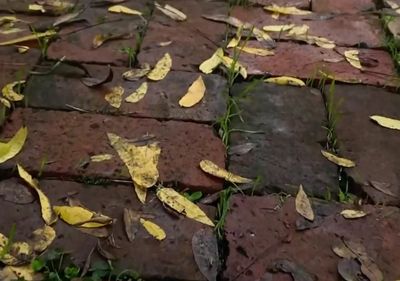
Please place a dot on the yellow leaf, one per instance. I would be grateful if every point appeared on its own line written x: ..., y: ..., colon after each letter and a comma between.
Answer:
x: 82, y: 217
x: 5, y: 102
x: 31, y: 37
x: 386, y: 122
x: 123, y: 10
x: 261, y: 35
x: 286, y: 10
x: 171, y: 12
x: 98, y: 40
x: 23, y: 49
x: 233, y: 43
x: 323, y: 42
x: 194, y: 94
x: 275, y: 16
x: 48, y: 214
x: 136, y: 74
x: 17, y: 253
x: 36, y: 7
x: 10, y: 273
x: 213, y: 169
x: 137, y: 95
x: 353, y: 214
x: 298, y: 30
x: 303, y: 205
x: 235, y: 65
x: 210, y: 64
x: 278, y: 28
x: 141, y: 193
x: 114, y: 98
x: 285, y: 80
x: 101, y: 157
x: 42, y: 238
x: 9, y: 93
x: 141, y: 161
x: 13, y: 147
x: 153, y: 229
x: 338, y: 160
x: 161, y: 68
x: 256, y: 51
x: 11, y: 30
x: 182, y: 205
x: 352, y: 58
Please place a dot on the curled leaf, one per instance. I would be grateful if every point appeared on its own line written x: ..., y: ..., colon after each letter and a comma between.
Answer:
x: 101, y: 157
x: 182, y: 205
x: 94, y: 82
x: 353, y: 214
x: 9, y: 93
x: 25, y: 272
x: 141, y: 193
x: 100, y: 39
x: 11, y: 148
x: 352, y: 57
x: 36, y: 7
x: 286, y: 10
x: 131, y: 221
x: 285, y: 80
x: 82, y: 217
x: 235, y: 65
x: 114, y: 97
x: 213, y: 169
x: 161, y: 68
x: 67, y: 18
x: 171, y: 12
x: 48, y: 214
x: 194, y: 94
x: 136, y: 74
x: 338, y: 160
x: 153, y: 229
x: 22, y: 49
x: 31, y: 37
x: 210, y: 64
x: 386, y: 122
x: 137, y: 95
x: 278, y: 28
x: 303, y: 204
x: 5, y: 102
x: 42, y: 238
x: 123, y: 10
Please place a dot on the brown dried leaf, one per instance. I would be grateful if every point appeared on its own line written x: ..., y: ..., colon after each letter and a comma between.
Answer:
x: 205, y: 252
x: 131, y: 221
x: 94, y: 82
x: 382, y: 187
x: 136, y: 74
x: 303, y: 205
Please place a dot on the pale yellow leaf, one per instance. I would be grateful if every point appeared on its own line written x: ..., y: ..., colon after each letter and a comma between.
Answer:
x: 11, y: 148
x: 338, y: 160
x: 353, y: 214
x: 286, y: 10
x: 11, y: 273
x: 256, y: 51
x: 386, y: 122
x: 141, y: 161
x: 165, y: 43
x: 36, y: 7
x: 5, y: 102
x: 124, y: 10
x: 153, y: 229
x: 194, y: 94
x: 210, y: 64
x: 42, y: 238
x: 7, y: 31
x: 235, y: 65
x: 171, y: 12
x: 114, y: 97
x: 352, y: 58
x: 213, y: 169
x: 298, y: 30
x: 275, y: 15
x: 233, y: 43
x: 23, y: 49
x: 323, y: 42
x: 182, y: 205
x: 9, y: 93
x: 18, y: 252
x: 48, y: 214
x: 141, y: 193
x: 261, y: 35
x: 285, y: 80
x: 278, y: 28
x: 31, y: 37
x: 161, y: 69
x: 303, y: 204
x: 101, y: 157
x: 136, y: 74
x: 82, y: 217
x: 137, y: 95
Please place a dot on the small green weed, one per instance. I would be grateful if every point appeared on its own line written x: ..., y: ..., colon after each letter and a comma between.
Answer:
x: 239, y: 3
x: 131, y: 55
x: 193, y: 196
x: 10, y: 239
x: 222, y: 211
x: 333, y: 117
x: 43, y: 42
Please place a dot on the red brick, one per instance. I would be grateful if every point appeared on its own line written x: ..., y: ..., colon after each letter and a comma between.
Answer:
x: 342, y: 6
x: 170, y: 259
x: 365, y: 30
x: 193, y: 40
x: 261, y: 230
x: 304, y: 61
x: 67, y: 139
x: 63, y: 87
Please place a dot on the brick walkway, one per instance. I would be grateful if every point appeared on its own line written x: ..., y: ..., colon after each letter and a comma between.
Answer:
x: 283, y: 125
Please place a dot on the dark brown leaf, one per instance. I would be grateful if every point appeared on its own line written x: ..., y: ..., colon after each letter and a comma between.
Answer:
x: 94, y: 82
x: 350, y: 270
x: 382, y: 187
x: 205, y: 251
x: 298, y: 272
x: 103, y: 252
x: 241, y: 149
x: 87, y: 262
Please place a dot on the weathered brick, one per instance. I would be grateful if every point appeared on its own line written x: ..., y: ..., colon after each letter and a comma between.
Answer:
x: 342, y: 6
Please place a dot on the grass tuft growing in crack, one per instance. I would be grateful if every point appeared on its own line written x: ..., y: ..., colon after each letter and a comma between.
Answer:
x: 390, y: 42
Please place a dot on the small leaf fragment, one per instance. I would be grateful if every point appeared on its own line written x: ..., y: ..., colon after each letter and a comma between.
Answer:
x: 194, y: 94
x: 124, y: 10
x: 353, y: 214
x: 210, y: 64
x: 285, y: 80
x: 235, y: 65
x: 137, y: 95
x: 48, y: 214
x: 22, y: 49
x: 131, y: 221
x: 42, y: 238
x: 338, y: 160
x: 31, y: 37
x: 9, y: 93
x: 213, y: 169
x: 36, y: 7
x: 141, y: 193
x: 171, y: 12
x: 101, y: 157
x: 286, y: 10
x: 13, y: 147
x: 352, y: 57
x: 136, y: 74
x: 5, y: 102
x: 161, y: 68
x: 386, y: 122
x: 278, y: 28
x: 303, y: 204
x: 114, y: 97
x: 153, y: 229
x: 182, y: 205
